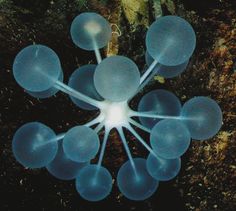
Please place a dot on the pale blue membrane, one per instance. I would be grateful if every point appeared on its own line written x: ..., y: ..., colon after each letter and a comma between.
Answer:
x: 94, y: 183
x: 81, y: 144
x: 82, y: 81
x: 171, y: 40
x: 117, y: 78
x: 203, y: 117
x: 170, y: 138
x: 136, y: 185
x: 166, y: 71
x: 90, y: 31
x: 36, y: 68
x: 62, y: 167
x: 48, y: 93
x: 34, y: 145
x: 158, y: 102
x: 163, y: 169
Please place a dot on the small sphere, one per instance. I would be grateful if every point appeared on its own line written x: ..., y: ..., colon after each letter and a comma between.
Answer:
x: 90, y: 31
x: 171, y: 40
x: 82, y: 81
x: 36, y: 68
x: 81, y: 144
x: 159, y: 102
x: 117, y: 78
x: 203, y: 117
x: 34, y: 145
x: 163, y: 169
x: 94, y: 183
x: 166, y: 71
x: 62, y: 167
x: 49, y: 92
x: 170, y: 138
x: 139, y: 186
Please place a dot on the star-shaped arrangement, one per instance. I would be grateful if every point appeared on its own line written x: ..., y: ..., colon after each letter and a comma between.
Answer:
x: 109, y: 86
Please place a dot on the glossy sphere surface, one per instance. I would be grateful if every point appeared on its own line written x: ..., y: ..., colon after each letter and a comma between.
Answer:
x: 159, y: 102
x: 82, y: 81
x: 94, y: 183
x: 36, y: 68
x: 81, y: 144
x: 117, y: 78
x: 171, y: 40
x: 166, y: 71
x: 90, y: 30
x: 163, y: 169
x: 170, y: 138
x: 62, y: 167
x: 203, y: 117
x: 34, y: 145
x: 139, y: 186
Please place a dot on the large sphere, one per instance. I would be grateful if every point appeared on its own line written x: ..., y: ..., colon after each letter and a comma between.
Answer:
x: 171, y: 40
x: 166, y: 71
x: 81, y: 144
x: 139, y: 186
x: 62, y: 167
x: 159, y: 102
x: 94, y: 183
x: 82, y: 81
x: 163, y: 169
x: 36, y: 68
x: 117, y: 78
x: 34, y: 145
x: 170, y: 138
x: 202, y: 116
x: 90, y: 31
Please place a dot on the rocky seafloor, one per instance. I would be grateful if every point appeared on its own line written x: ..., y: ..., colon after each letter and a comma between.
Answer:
x: 207, y: 180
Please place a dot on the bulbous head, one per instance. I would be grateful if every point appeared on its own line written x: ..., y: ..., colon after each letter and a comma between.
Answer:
x: 117, y: 78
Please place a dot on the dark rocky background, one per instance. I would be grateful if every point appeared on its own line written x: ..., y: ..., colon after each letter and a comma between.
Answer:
x: 208, y: 177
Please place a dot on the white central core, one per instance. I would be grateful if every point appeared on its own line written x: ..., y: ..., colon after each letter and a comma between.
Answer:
x: 93, y: 28
x: 115, y: 114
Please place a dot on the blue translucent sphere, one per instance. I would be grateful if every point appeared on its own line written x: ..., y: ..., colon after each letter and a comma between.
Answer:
x: 139, y: 186
x: 81, y: 144
x: 36, y: 68
x: 159, y: 102
x: 166, y: 71
x: 117, y: 78
x: 202, y: 116
x: 171, y: 40
x: 62, y: 167
x: 90, y: 31
x: 163, y: 169
x: 94, y: 183
x: 82, y: 81
x: 170, y: 138
x: 49, y: 92
x: 34, y: 145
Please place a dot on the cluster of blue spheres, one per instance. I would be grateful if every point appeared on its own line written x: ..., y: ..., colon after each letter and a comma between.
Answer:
x: 109, y: 86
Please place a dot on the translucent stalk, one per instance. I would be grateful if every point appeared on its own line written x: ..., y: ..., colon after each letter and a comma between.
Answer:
x: 141, y: 140
x: 133, y: 122
x: 123, y: 139
x: 155, y: 116
x: 93, y: 122
x: 56, y: 139
x: 68, y: 90
x: 103, y: 147
x: 99, y: 127
x: 145, y: 82
x: 148, y: 71
x: 96, y: 51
